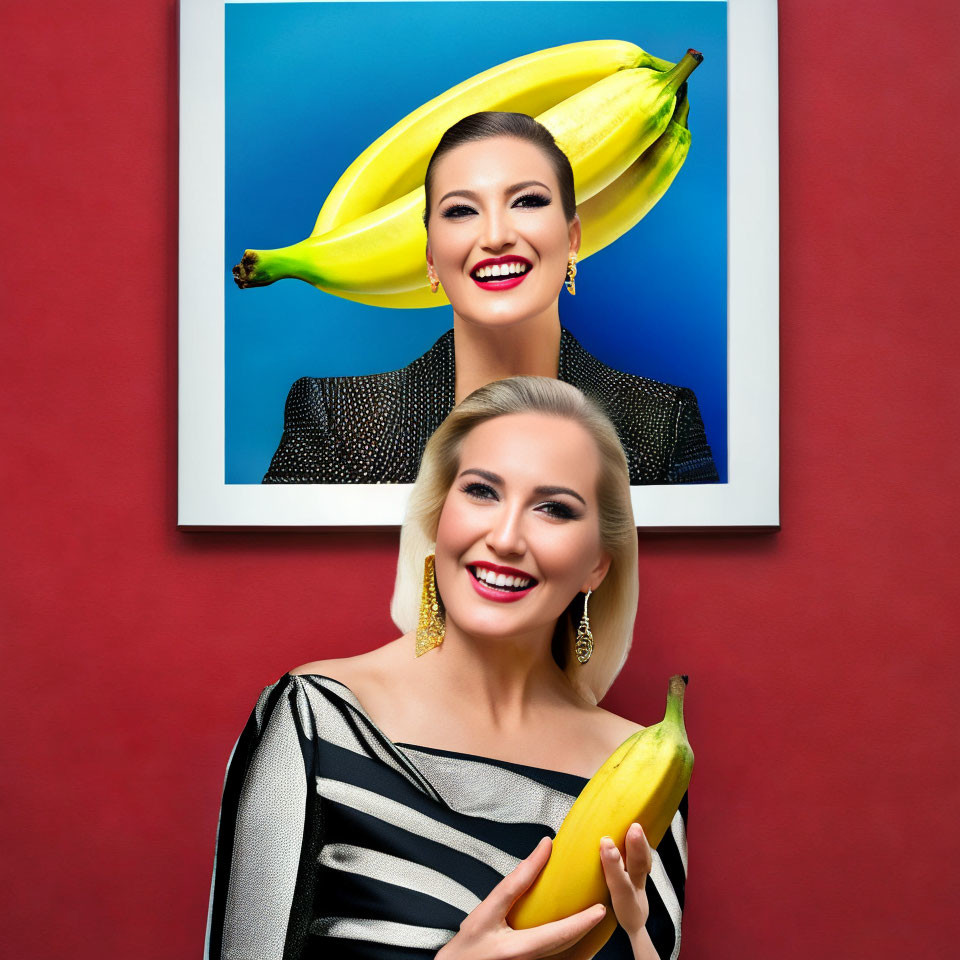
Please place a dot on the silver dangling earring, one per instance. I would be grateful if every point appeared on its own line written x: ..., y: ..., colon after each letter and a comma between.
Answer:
x: 584, y: 646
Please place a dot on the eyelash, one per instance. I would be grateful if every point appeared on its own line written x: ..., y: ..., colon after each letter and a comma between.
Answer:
x: 561, y: 511
x: 542, y: 201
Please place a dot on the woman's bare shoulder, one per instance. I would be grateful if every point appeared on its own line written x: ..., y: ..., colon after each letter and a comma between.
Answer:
x: 591, y: 735
x: 324, y: 668
x: 363, y: 666
x: 617, y: 728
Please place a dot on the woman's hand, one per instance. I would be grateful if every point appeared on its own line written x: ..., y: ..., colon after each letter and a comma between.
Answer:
x: 627, y: 879
x: 486, y: 935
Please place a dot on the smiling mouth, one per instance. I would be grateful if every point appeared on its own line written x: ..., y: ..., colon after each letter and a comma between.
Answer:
x: 498, y: 272
x: 500, y: 581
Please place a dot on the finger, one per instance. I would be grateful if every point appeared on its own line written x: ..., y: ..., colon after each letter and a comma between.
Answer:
x: 639, y: 855
x: 619, y: 882
x: 629, y: 900
x: 546, y: 939
x: 503, y: 896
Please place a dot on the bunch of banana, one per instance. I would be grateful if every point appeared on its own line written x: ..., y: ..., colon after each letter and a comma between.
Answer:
x: 396, y: 162
x: 606, y: 216
x: 378, y: 256
x: 644, y: 779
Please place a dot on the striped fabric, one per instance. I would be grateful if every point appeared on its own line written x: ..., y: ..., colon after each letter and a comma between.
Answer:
x: 336, y: 843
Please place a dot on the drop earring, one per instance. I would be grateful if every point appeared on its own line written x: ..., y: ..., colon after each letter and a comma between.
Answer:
x: 571, y: 273
x: 434, y: 280
x: 431, y: 626
x: 584, y: 646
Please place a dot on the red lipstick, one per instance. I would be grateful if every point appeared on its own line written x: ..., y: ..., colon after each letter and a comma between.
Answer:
x: 501, y: 283
x: 499, y: 594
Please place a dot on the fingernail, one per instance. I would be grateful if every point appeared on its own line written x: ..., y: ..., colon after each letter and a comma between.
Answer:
x: 536, y: 848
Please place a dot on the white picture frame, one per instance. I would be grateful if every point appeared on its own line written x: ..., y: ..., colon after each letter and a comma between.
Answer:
x: 749, y: 497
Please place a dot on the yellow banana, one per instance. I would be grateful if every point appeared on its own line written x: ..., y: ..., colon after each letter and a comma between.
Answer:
x: 605, y: 217
x: 613, y: 211
x: 605, y: 128
x: 602, y: 129
x: 396, y: 162
x: 644, y: 779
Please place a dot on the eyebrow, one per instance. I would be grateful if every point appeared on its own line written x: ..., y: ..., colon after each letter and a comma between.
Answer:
x: 543, y: 491
x: 506, y: 193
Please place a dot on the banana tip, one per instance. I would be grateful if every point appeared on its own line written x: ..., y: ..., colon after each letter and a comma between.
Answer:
x: 685, y: 678
x: 696, y: 54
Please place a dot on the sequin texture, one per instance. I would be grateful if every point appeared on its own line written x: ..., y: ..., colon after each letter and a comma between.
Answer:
x: 373, y: 428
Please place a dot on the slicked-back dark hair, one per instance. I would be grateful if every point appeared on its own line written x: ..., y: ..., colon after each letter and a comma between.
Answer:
x: 501, y: 123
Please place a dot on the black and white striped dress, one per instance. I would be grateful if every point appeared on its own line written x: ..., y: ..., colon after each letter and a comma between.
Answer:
x: 335, y: 843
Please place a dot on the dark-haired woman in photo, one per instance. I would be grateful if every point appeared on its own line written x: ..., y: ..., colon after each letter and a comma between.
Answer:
x: 502, y: 237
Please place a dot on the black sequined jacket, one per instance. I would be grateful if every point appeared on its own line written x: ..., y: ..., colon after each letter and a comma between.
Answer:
x: 373, y: 428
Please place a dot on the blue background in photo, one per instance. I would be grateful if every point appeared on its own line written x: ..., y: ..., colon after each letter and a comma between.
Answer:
x: 310, y: 85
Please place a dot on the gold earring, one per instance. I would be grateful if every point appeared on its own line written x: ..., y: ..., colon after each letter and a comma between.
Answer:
x: 571, y: 273
x: 430, y: 628
x: 434, y: 280
x: 584, y: 645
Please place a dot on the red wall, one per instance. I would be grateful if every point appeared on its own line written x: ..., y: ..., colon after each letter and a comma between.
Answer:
x: 822, y: 658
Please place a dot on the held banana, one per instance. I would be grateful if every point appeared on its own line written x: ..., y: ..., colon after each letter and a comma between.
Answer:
x: 602, y: 129
x: 644, y: 779
x: 396, y: 162
x: 605, y: 217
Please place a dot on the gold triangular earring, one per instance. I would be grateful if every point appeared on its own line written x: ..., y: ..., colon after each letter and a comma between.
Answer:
x: 571, y: 273
x: 431, y: 626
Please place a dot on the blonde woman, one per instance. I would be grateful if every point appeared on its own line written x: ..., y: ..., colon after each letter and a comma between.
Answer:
x: 502, y: 235
x: 396, y: 803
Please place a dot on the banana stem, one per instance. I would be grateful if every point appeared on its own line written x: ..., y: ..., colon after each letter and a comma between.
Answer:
x: 675, y: 692
x: 257, y: 268
x: 691, y: 60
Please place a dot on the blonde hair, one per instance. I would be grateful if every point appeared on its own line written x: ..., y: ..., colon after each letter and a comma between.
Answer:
x: 613, y: 605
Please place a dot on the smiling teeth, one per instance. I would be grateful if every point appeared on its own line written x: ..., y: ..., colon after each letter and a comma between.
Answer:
x: 492, y: 579
x: 501, y: 270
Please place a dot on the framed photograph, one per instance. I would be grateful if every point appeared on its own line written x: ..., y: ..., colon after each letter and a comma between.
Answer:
x: 316, y: 355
